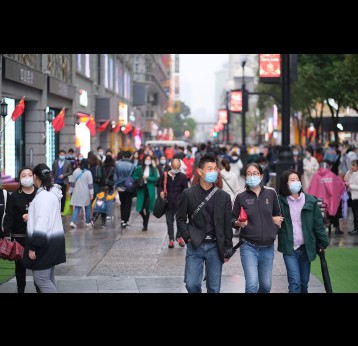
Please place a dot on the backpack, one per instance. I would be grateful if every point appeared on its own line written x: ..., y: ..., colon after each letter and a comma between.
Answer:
x: 100, y: 205
x: 129, y: 183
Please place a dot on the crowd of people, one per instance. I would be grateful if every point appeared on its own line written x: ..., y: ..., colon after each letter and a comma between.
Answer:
x: 205, y: 189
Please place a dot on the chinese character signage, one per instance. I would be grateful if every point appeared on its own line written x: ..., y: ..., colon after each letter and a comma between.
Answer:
x: 236, y: 101
x: 270, y: 68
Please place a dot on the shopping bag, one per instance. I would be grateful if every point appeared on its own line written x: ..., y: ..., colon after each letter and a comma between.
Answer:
x: 11, y: 250
x: 67, y: 210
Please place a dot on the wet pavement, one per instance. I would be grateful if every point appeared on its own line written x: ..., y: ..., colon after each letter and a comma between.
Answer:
x: 116, y: 260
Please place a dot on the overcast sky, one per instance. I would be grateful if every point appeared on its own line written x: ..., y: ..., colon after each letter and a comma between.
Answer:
x: 197, y: 83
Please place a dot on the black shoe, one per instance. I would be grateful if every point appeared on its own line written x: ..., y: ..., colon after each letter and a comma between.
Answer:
x: 354, y: 232
x: 123, y: 225
x: 144, y: 229
x: 338, y: 231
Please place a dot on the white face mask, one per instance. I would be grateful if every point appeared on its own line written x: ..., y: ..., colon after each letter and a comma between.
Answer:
x: 27, y: 182
x: 147, y: 163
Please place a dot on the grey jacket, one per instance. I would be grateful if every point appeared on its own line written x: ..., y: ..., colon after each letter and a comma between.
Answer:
x: 195, y: 230
x: 67, y: 170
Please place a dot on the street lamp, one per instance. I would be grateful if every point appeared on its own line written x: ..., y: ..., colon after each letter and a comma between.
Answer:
x: 243, y: 60
x: 3, y: 108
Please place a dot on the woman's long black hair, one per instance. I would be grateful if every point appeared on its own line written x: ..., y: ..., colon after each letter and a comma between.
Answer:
x: 43, y: 172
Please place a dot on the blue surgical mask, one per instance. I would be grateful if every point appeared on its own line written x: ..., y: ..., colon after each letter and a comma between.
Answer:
x: 188, y: 156
x: 210, y: 177
x: 61, y: 157
x: 295, y: 153
x: 295, y: 186
x: 175, y: 171
x: 253, y: 181
x: 163, y: 162
x: 80, y: 158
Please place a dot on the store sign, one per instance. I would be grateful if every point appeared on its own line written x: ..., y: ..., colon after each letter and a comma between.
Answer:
x: 270, y: 68
x: 60, y: 88
x: 123, y: 113
x: 236, y: 101
x: 22, y: 74
x: 83, y: 98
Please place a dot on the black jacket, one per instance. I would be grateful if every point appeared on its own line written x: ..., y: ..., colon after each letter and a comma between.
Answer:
x: 190, y: 200
x: 261, y: 229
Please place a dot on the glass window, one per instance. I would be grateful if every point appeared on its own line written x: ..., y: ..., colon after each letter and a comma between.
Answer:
x: 106, y: 82
x: 87, y: 66
x: 120, y: 79
x: 79, y: 62
x: 116, y: 81
x: 110, y: 71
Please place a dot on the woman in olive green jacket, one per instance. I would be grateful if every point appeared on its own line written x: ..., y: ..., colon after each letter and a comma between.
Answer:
x: 302, y: 231
x: 146, y: 193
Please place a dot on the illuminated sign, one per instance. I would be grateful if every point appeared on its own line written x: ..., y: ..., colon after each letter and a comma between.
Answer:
x: 270, y: 68
x: 223, y: 116
x: 236, y: 101
x: 123, y: 113
x: 83, y: 98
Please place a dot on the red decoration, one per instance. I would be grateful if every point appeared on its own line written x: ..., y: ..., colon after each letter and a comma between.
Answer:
x: 103, y: 126
x: 243, y: 215
x: 91, y: 124
x: 19, y: 109
x: 59, y: 122
x: 116, y: 128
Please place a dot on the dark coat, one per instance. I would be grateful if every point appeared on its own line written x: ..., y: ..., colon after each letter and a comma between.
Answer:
x: 67, y: 170
x: 195, y: 231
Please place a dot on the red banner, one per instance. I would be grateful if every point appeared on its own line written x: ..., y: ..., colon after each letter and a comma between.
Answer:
x: 103, y: 126
x: 91, y: 124
x: 116, y: 128
x: 223, y: 116
x: 19, y: 109
x: 270, y: 66
x: 59, y: 122
x: 236, y: 101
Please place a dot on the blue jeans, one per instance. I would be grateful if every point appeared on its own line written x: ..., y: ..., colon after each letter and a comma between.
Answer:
x: 76, y: 211
x: 298, y: 269
x: 257, y: 263
x: 194, y: 265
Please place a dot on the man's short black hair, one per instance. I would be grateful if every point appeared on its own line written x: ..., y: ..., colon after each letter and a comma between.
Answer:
x: 205, y: 159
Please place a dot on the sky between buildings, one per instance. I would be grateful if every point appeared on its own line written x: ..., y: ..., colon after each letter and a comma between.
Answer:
x: 197, y: 83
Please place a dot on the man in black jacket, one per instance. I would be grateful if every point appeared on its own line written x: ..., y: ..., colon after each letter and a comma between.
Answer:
x: 209, y: 233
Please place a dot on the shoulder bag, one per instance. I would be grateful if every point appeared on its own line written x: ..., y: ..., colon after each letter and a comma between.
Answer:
x: 160, y: 205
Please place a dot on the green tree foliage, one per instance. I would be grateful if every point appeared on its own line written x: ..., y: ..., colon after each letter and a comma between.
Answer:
x: 320, y: 77
x: 179, y: 122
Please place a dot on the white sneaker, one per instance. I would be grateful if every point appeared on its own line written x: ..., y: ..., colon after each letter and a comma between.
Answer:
x: 89, y: 224
x: 73, y: 225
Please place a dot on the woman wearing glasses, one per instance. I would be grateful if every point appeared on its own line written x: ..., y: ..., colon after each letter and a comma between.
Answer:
x: 259, y: 231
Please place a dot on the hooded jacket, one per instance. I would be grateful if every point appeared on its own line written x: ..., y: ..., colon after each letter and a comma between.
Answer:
x: 326, y: 185
x: 45, y: 233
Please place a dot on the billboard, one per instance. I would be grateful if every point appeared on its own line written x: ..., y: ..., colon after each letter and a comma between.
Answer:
x: 270, y: 68
x: 236, y: 101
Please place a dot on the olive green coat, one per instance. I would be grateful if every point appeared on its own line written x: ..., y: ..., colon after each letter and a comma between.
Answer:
x: 151, y: 181
x: 314, y: 231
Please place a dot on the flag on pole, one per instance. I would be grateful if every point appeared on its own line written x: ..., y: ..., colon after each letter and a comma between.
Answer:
x: 116, y: 128
x: 103, y: 126
x: 19, y: 109
x: 59, y: 122
x: 91, y: 124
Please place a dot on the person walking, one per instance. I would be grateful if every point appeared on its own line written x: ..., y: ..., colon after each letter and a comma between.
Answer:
x: 123, y: 169
x: 15, y: 220
x: 176, y: 183
x: 61, y: 170
x: 310, y: 167
x: 352, y: 185
x: 208, y: 234
x: 45, y: 242
x: 148, y: 175
x: 259, y: 231
x: 230, y: 181
x: 302, y: 232
x: 81, y: 189
x: 101, y: 203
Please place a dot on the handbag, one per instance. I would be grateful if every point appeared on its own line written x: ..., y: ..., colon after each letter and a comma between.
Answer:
x: 11, y: 250
x: 160, y: 205
x: 68, y: 209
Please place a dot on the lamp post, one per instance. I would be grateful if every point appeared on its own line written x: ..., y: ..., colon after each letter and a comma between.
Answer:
x: 228, y: 116
x: 3, y: 114
x: 243, y: 151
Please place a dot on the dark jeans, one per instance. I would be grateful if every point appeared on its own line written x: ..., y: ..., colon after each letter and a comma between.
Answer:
x: 170, y: 214
x: 20, y: 270
x: 355, y: 213
x: 126, y: 204
x: 335, y: 219
x: 63, y: 199
x: 145, y: 210
x: 298, y: 269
